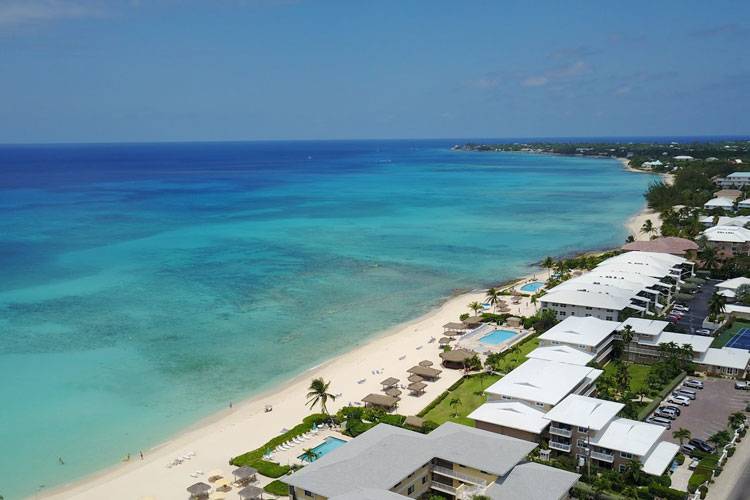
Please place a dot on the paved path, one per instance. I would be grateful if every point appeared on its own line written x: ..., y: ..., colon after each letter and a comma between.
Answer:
x: 681, y: 476
x: 734, y: 481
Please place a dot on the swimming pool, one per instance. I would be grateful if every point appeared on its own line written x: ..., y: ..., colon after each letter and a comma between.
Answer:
x: 327, y: 446
x: 497, y: 337
x: 532, y: 287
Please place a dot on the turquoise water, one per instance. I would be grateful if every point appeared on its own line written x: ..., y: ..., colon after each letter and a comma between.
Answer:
x: 145, y: 286
x: 497, y: 337
x: 327, y: 446
x: 532, y: 287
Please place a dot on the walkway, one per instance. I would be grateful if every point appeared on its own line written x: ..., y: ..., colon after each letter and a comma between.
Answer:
x: 734, y: 481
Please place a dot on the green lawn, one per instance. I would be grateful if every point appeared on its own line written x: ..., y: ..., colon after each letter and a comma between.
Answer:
x: 638, y: 374
x: 511, y: 360
x: 471, y: 394
x: 727, y: 334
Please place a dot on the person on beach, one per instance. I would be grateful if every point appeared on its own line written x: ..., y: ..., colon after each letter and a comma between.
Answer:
x: 141, y: 453
x: 60, y: 460
x: 230, y: 405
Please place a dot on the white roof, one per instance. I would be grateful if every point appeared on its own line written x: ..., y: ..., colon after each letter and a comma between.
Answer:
x: 580, y: 331
x: 727, y: 293
x: 683, y: 157
x: 738, y: 175
x: 586, y: 298
x: 699, y: 343
x: 726, y: 357
x: 732, y: 234
x: 561, y: 354
x: 630, y: 436
x: 740, y: 220
x: 644, y: 326
x: 744, y: 202
x: 659, y: 458
x: 543, y: 381
x: 734, y: 283
x: 511, y: 414
x: 730, y: 308
x: 720, y: 202
x: 657, y: 265
x: 584, y: 411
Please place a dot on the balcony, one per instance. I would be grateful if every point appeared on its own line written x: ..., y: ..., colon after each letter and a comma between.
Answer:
x: 466, y: 478
x: 604, y: 457
x: 445, y: 488
x: 560, y: 446
x: 560, y: 431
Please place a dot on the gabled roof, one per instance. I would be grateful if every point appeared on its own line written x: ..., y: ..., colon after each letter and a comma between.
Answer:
x: 533, y: 481
x: 630, y: 436
x: 668, y: 244
x: 734, y: 283
x: 384, y: 455
x: 719, y: 202
x: 584, y: 411
x: 542, y: 381
x: 699, y: 343
x: 726, y: 357
x: 739, y: 175
x: 588, y: 331
x: 730, y: 234
x: 645, y: 326
x: 511, y: 414
x: 561, y: 354
x: 657, y: 461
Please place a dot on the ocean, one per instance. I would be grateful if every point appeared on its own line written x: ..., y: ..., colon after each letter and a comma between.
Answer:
x: 144, y: 286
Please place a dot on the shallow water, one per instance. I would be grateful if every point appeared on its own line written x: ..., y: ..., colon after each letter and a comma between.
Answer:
x: 145, y: 286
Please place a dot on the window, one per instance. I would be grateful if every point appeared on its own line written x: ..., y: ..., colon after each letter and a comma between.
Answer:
x: 562, y: 313
x: 625, y: 454
x: 581, y: 443
x: 583, y: 429
x: 424, y: 479
x: 505, y: 397
x: 308, y: 494
x: 541, y: 405
x: 582, y: 346
x: 609, y: 318
x: 622, y: 467
x: 589, y: 308
x: 410, y: 490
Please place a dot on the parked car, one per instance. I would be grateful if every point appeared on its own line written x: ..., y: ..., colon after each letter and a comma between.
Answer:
x: 692, y: 383
x: 689, y: 393
x: 673, y: 408
x: 680, y: 307
x: 665, y: 414
x: 704, y: 332
x: 743, y: 386
x: 660, y: 421
x: 693, y: 464
x: 679, y: 400
x: 687, y: 449
x: 677, y: 312
x: 701, y: 445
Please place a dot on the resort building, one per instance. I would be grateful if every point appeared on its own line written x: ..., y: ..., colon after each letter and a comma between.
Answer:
x: 729, y: 288
x: 590, y: 335
x: 588, y: 428
x: 454, y: 460
x: 649, y: 334
x: 728, y: 241
x: 713, y: 220
x: 724, y: 204
x: 744, y: 204
x: 561, y: 354
x: 643, y: 282
x: 737, y: 180
x: 668, y: 244
x: 732, y: 194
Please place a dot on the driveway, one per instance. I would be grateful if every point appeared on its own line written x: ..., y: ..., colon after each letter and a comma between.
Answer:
x: 708, y: 413
x: 693, y: 320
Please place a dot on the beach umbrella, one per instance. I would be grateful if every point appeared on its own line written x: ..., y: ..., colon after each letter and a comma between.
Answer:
x: 503, y: 308
x: 199, y: 488
x: 415, y: 378
x: 444, y: 341
x: 251, y: 493
x: 426, y: 362
x: 394, y: 393
x: 244, y: 472
x: 215, y: 473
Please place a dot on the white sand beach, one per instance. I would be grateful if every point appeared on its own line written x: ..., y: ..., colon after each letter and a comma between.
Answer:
x: 635, y: 223
x: 247, y: 425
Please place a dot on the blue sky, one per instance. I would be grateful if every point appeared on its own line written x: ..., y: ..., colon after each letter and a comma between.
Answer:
x: 161, y: 70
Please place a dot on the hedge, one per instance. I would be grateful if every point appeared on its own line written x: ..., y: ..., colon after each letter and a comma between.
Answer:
x: 657, y: 490
x: 277, y: 488
x: 646, y: 410
x: 703, y: 472
x: 254, y: 458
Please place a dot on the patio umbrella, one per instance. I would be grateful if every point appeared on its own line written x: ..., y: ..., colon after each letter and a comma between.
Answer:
x: 415, y: 378
x: 444, y: 341
x: 199, y: 488
x: 426, y: 362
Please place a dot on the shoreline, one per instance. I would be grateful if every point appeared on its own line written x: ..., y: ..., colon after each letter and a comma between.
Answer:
x: 230, y: 432
x: 634, y: 223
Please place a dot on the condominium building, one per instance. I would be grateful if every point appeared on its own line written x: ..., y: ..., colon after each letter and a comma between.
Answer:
x: 736, y: 180
x: 728, y: 241
x: 453, y: 460
x: 587, y: 334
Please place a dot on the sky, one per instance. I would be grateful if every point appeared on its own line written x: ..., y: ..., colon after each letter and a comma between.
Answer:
x: 212, y: 70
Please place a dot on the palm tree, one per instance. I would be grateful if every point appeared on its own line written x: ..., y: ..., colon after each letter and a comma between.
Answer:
x: 309, y: 455
x: 648, y: 227
x: 319, y: 394
x: 455, y: 403
x: 682, y: 434
x: 476, y: 307
x: 633, y: 469
x: 548, y: 263
x: 627, y: 335
x: 493, y: 296
x: 716, y: 305
x: 709, y: 257
x: 736, y: 419
x: 720, y: 438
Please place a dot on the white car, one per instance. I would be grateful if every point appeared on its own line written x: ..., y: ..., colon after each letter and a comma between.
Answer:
x: 679, y: 400
x: 680, y: 307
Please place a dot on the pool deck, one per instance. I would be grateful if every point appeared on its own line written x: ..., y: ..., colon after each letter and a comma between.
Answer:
x: 290, y: 457
x: 471, y: 340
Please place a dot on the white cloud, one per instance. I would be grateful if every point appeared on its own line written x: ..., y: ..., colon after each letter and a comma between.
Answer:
x: 15, y: 12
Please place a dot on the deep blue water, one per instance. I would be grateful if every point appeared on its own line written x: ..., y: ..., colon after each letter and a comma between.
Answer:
x: 144, y: 286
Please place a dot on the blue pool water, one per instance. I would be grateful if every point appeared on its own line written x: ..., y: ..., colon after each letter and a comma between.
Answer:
x: 497, y: 337
x: 532, y: 287
x: 327, y: 446
x: 144, y: 286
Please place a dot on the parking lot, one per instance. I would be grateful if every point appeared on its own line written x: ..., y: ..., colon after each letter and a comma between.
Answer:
x: 693, y: 320
x: 708, y: 412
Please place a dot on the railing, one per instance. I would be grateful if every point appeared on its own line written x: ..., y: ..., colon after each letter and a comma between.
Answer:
x: 447, y: 488
x: 560, y: 431
x: 602, y: 456
x: 445, y: 471
x: 557, y: 445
